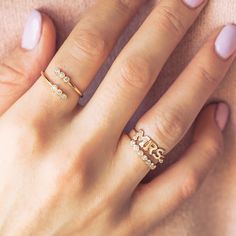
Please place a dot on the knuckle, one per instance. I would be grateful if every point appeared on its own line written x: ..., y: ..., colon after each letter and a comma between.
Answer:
x: 207, y: 76
x: 69, y: 173
x: 66, y: 173
x: 190, y: 185
x: 169, y: 127
x: 135, y: 73
x: 127, y: 4
x: 214, y: 147
x: 170, y: 21
x: 15, y: 77
x: 80, y: 162
x: 90, y: 43
x: 26, y: 139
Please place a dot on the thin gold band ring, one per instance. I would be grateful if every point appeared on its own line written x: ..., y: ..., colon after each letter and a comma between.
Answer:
x: 54, y: 87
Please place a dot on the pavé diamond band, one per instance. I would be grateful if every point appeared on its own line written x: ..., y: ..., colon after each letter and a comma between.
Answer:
x: 147, y: 149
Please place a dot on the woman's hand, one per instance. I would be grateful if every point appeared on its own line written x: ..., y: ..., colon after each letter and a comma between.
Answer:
x: 71, y: 171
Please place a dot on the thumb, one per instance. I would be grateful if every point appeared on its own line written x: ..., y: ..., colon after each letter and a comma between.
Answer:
x: 22, y: 67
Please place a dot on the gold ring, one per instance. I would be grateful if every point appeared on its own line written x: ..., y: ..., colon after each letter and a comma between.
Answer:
x: 147, y: 149
x: 67, y: 80
x: 54, y: 87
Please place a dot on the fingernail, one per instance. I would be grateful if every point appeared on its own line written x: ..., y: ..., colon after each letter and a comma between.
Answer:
x: 225, y: 44
x: 193, y: 3
x: 222, y: 114
x: 32, y: 31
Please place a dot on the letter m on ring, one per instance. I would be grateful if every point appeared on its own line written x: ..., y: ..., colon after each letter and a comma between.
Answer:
x: 139, y: 136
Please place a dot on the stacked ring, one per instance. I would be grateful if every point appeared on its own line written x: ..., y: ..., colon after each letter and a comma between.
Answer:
x: 147, y: 149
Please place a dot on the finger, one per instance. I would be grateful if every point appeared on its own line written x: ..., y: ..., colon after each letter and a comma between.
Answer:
x: 138, y: 65
x: 174, y: 113
x: 82, y: 54
x: 168, y: 120
x: 92, y: 40
x: 153, y: 201
x: 22, y: 67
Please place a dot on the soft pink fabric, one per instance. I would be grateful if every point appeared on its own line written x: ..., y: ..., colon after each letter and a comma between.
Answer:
x: 212, y: 211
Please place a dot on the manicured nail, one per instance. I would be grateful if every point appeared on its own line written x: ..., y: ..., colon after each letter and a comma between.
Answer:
x: 226, y: 41
x: 32, y: 31
x: 193, y: 3
x: 222, y: 114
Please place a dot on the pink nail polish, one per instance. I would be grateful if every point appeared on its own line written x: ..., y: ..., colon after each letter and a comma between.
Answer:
x: 225, y: 44
x: 193, y: 3
x: 222, y: 114
x: 32, y: 31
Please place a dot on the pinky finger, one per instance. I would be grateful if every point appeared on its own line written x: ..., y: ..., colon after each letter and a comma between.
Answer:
x: 153, y: 201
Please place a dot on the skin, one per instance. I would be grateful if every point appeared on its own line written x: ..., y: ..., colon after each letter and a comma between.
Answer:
x: 216, y: 67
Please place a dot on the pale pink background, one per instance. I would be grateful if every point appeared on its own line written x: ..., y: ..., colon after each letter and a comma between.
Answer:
x: 212, y: 211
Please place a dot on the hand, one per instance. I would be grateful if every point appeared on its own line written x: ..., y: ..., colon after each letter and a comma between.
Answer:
x: 71, y: 171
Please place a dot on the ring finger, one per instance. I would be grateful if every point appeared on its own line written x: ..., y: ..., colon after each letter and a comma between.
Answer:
x: 171, y: 117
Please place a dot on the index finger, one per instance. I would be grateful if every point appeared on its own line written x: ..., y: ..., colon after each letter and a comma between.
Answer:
x: 82, y: 54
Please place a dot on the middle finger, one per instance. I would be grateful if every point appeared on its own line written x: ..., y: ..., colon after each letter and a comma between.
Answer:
x: 135, y: 70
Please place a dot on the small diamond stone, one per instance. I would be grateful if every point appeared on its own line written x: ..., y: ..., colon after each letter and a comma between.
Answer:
x: 144, y: 158
x: 136, y: 147
x: 64, y: 96
x: 62, y: 75
x: 140, y: 152
x: 132, y: 142
x: 54, y: 88
x: 66, y: 79
x: 59, y: 92
x: 153, y: 166
x: 57, y: 71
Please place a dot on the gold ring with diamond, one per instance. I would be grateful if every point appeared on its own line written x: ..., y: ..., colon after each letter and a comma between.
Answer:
x: 67, y: 80
x: 54, y: 87
x: 147, y: 149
